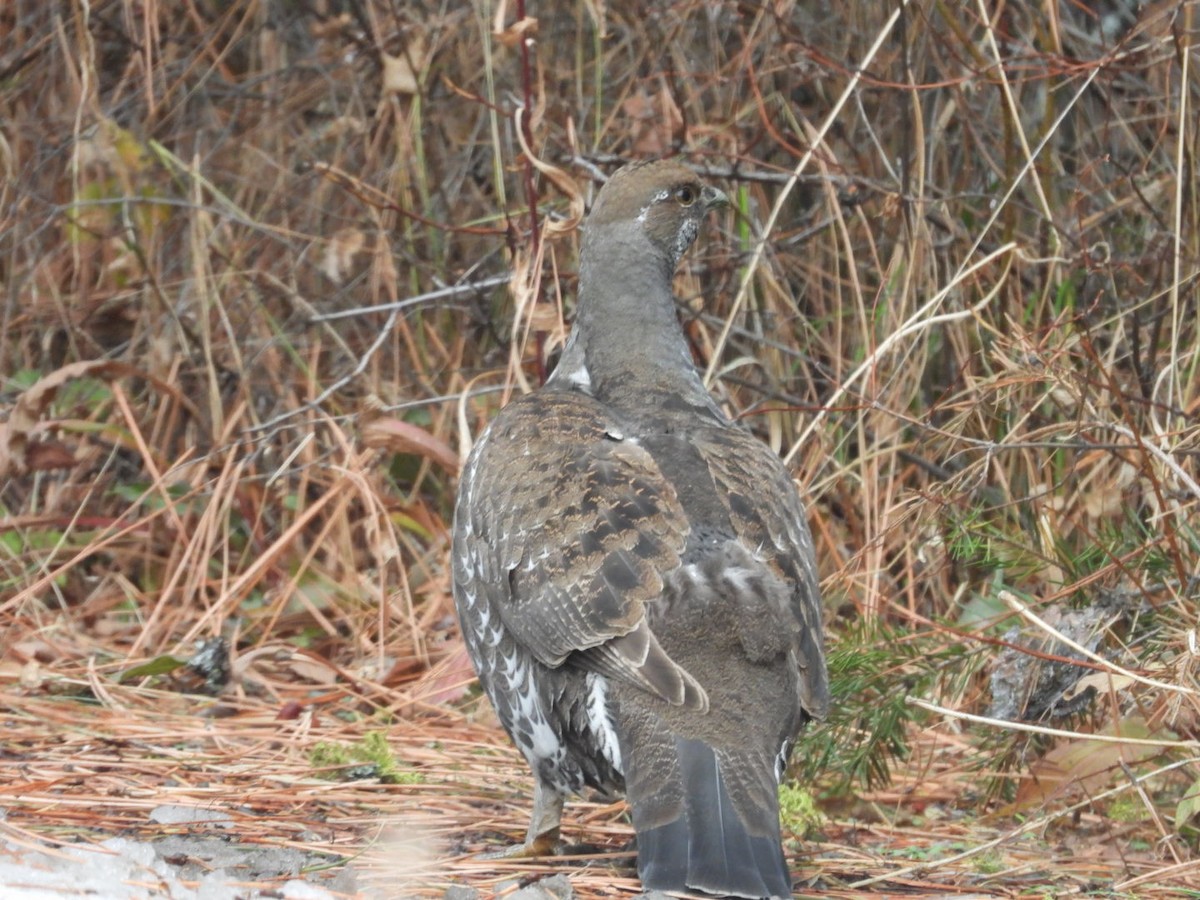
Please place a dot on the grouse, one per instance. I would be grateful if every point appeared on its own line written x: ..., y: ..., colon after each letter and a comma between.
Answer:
x: 633, y: 574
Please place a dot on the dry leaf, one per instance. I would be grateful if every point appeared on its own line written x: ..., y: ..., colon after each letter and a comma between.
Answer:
x: 44, y: 456
x: 561, y: 180
x: 310, y: 667
x: 517, y: 31
x: 340, y: 252
x: 14, y: 434
x: 1188, y: 807
x: 1083, y: 764
x: 447, y: 682
x: 277, y: 661
x: 402, y: 74
x: 399, y: 436
x: 1103, y: 682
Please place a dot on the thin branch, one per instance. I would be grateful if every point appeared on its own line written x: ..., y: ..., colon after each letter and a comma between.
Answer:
x: 454, y: 290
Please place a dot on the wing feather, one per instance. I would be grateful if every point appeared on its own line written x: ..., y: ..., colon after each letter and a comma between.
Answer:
x: 766, y: 513
x: 574, y: 534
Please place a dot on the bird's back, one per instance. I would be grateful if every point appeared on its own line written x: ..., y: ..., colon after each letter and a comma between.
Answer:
x: 741, y: 614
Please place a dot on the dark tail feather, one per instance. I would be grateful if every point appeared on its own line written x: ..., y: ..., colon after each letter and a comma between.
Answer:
x: 709, y: 847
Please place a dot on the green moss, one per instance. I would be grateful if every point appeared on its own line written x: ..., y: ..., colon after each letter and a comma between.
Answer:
x: 989, y: 863
x: 798, y: 810
x: 1127, y: 809
x: 372, y: 758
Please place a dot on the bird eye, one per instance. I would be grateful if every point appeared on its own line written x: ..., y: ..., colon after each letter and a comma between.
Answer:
x: 686, y: 195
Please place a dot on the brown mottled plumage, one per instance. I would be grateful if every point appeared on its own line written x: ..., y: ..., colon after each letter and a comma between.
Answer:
x: 633, y: 572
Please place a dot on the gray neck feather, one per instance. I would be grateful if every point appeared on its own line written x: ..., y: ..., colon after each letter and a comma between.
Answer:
x: 627, y: 333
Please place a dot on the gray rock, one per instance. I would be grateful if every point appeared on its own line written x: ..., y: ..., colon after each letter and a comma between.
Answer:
x: 556, y: 887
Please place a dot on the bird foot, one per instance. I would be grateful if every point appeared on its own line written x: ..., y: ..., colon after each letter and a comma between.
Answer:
x: 545, y: 844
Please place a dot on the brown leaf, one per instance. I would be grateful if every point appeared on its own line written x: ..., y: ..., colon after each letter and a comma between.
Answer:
x: 289, y: 711
x: 517, y: 31
x: 1086, y: 765
x: 44, y: 456
x: 283, y: 662
x: 308, y: 666
x: 448, y: 681
x: 561, y: 180
x: 404, y: 437
x: 14, y: 434
x: 402, y: 74
x: 340, y: 252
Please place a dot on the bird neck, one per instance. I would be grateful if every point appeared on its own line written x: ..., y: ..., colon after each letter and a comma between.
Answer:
x: 627, y: 335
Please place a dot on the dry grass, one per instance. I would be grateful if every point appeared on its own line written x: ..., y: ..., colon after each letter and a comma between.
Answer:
x: 957, y: 289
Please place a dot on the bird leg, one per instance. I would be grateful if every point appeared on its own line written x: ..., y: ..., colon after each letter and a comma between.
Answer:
x: 542, y: 838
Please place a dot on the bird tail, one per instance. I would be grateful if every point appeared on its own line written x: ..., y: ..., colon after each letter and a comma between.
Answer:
x: 697, y: 839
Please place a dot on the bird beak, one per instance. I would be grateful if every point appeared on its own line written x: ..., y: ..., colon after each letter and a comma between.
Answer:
x: 713, y: 198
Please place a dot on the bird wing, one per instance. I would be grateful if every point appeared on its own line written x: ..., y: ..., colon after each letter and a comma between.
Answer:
x: 569, y: 530
x: 768, y: 517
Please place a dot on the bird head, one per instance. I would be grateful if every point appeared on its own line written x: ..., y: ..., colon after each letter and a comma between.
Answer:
x: 661, y: 202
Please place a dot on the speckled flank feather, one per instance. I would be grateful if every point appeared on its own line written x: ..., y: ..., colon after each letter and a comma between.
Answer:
x: 633, y: 573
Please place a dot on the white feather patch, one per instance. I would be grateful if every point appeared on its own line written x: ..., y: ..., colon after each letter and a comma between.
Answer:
x: 601, y: 722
